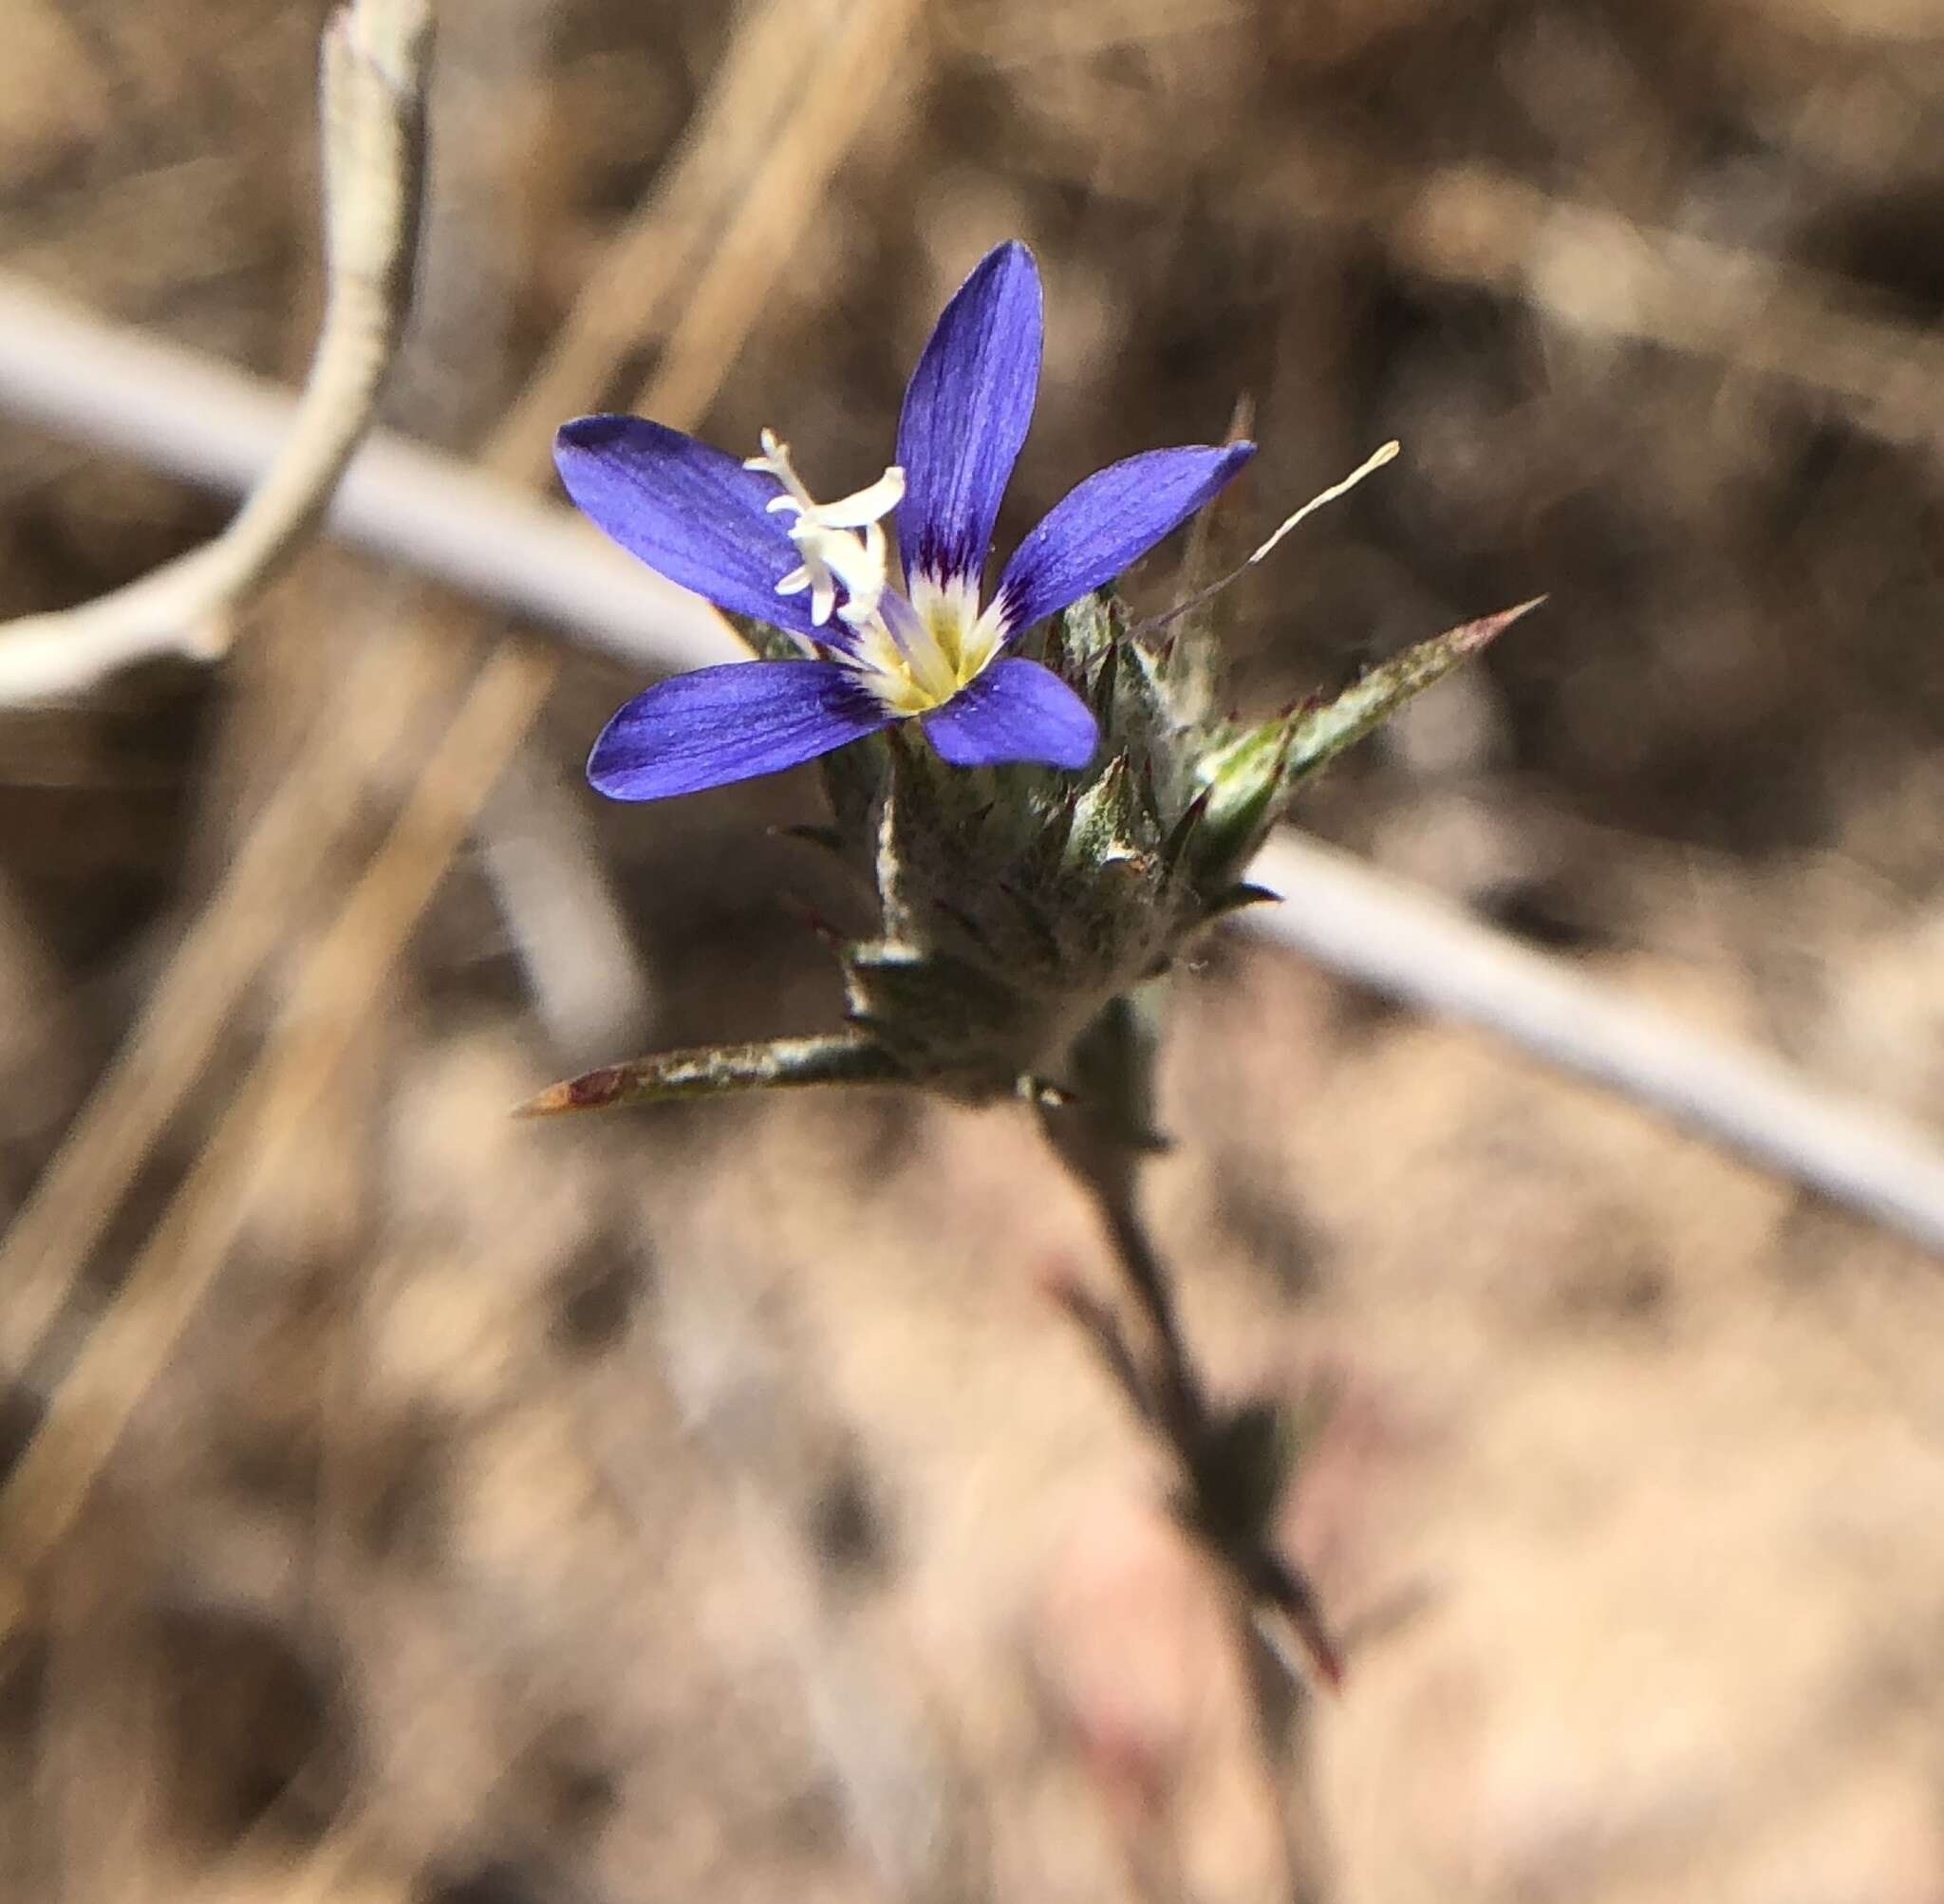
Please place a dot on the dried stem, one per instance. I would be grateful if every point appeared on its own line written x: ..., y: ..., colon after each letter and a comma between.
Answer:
x: 1355, y: 920
x: 375, y: 61
x: 441, y: 517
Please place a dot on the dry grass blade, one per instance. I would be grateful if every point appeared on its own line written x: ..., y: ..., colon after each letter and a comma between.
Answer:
x: 385, y: 695
x: 265, y: 1123
x: 135, y: 1339
x: 376, y: 55
x: 192, y: 1004
x: 854, y: 72
x: 628, y: 292
x: 1600, y: 274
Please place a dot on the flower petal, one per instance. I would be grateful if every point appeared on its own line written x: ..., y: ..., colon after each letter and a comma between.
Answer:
x: 965, y: 413
x: 729, y: 723
x: 688, y: 511
x: 1016, y: 710
x: 1106, y: 524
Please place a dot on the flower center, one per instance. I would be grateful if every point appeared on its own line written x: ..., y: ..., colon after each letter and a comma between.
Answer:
x: 913, y: 653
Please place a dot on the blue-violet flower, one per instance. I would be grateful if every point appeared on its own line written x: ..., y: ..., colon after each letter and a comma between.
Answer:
x: 878, y: 646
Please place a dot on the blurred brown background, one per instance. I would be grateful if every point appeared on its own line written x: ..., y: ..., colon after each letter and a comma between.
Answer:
x: 711, y: 1504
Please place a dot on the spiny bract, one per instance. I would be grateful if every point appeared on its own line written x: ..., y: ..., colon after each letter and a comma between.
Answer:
x: 1016, y: 904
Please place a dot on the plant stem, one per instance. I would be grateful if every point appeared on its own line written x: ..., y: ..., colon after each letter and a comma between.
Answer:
x: 1103, y: 1133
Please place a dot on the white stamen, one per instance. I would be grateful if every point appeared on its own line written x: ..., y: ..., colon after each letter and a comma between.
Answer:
x: 862, y: 509
x: 913, y: 654
x: 825, y: 535
x: 1375, y: 461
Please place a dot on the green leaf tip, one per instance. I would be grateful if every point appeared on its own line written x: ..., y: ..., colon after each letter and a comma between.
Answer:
x: 1319, y: 734
x: 1248, y: 777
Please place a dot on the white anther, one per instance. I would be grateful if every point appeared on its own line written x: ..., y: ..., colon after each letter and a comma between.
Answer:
x: 826, y: 538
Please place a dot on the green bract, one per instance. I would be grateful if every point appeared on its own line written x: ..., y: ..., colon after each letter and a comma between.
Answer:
x: 1016, y: 903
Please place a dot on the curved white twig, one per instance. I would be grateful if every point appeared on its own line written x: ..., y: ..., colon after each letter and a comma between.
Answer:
x: 372, y: 87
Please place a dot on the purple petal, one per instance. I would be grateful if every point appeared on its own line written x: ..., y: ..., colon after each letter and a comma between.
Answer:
x: 688, y: 511
x: 1016, y: 710
x: 967, y: 410
x: 1100, y: 529
x: 729, y: 723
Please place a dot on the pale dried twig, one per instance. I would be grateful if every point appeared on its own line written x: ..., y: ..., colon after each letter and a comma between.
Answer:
x: 184, y: 413
x: 373, y: 98
x: 567, y: 931
x: 1359, y: 923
